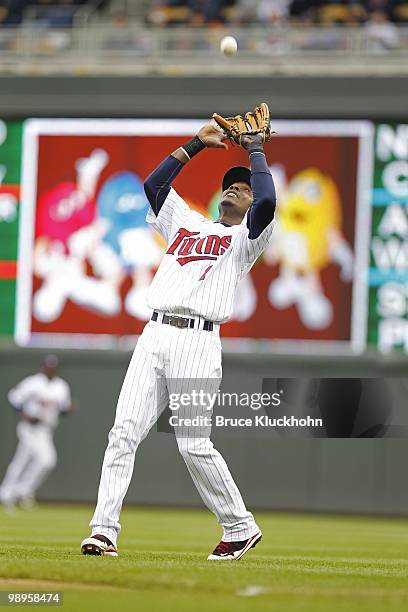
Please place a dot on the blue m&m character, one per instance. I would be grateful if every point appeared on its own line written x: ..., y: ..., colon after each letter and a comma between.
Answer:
x: 123, y: 203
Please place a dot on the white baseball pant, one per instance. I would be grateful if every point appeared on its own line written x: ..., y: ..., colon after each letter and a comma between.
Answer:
x: 35, y: 456
x: 171, y: 355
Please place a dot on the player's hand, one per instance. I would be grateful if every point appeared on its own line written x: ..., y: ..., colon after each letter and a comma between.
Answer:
x: 31, y: 420
x: 252, y: 142
x: 74, y: 406
x: 213, y: 136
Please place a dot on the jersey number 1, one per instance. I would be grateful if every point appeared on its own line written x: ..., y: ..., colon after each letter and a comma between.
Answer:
x: 202, y: 277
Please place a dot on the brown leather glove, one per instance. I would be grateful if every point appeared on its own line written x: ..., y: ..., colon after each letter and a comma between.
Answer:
x: 253, y: 122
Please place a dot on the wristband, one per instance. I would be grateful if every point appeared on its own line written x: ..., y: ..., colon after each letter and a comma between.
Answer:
x: 254, y: 147
x: 192, y: 147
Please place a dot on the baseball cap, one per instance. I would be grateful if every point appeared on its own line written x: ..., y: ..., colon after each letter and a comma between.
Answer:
x: 51, y: 361
x: 237, y: 174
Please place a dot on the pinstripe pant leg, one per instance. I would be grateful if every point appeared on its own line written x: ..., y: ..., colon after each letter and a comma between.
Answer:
x: 217, y: 488
x: 197, y: 364
x: 142, y: 398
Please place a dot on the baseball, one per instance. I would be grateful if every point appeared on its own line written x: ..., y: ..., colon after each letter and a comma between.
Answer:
x: 228, y: 45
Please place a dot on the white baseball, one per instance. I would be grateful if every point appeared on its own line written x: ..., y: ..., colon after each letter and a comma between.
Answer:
x: 229, y: 45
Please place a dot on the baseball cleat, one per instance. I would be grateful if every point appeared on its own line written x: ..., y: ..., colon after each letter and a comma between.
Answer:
x: 98, y: 544
x: 233, y: 551
x: 27, y: 502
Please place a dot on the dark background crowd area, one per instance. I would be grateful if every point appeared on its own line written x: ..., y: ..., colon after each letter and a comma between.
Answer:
x: 162, y: 13
x: 53, y: 13
x: 255, y: 12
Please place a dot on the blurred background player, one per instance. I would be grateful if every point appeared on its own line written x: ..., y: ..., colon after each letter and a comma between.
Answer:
x: 38, y: 400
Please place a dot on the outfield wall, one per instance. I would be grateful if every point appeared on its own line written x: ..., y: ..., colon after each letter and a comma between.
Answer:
x: 189, y: 97
x: 302, y: 474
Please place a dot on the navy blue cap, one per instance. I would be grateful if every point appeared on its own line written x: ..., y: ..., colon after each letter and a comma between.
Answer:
x: 237, y: 174
x: 51, y: 361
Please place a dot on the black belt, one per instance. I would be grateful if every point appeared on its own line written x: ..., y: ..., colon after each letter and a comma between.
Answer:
x: 181, y: 322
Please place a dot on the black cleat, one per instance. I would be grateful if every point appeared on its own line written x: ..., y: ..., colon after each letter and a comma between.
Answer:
x: 233, y: 551
x: 98, y: 544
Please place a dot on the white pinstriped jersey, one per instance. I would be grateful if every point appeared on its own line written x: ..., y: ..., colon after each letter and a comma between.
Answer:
x: 203, y: 262
x: 41, y: 397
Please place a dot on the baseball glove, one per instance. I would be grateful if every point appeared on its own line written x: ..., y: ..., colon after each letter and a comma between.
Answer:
x: 253, y: 122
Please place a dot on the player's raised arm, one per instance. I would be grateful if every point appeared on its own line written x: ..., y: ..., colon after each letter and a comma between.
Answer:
x: 251, y: 131
x: 158, y: 183
x: 262, y: 211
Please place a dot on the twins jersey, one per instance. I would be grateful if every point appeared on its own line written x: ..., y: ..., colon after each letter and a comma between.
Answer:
x: 203, y: 263
x: 41, y: 398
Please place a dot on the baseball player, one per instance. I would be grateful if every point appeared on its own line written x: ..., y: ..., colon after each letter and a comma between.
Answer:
x: 38, y: 401
x: 191, y: 295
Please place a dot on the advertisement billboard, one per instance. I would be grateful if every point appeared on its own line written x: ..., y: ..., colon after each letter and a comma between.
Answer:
x: 10, y: 162
x: 87, y: 254
x: 388, y: 276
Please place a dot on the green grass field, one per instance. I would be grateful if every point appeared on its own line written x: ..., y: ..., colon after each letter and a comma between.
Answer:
x: 307, y: 563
